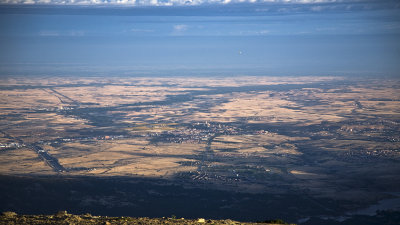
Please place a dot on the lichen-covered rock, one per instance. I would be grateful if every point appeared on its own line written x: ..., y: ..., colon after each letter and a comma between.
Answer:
x: 9, y: 214
x: 61, y: 214
x: 62, y: 217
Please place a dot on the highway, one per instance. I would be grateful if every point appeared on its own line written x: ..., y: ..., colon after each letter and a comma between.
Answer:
x: 50, y: 160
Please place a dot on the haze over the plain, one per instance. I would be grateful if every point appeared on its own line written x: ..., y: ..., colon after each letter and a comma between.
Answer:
x: 200, y: 37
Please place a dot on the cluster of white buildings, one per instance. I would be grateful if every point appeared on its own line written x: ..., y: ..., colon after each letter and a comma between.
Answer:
x: 12, y: 145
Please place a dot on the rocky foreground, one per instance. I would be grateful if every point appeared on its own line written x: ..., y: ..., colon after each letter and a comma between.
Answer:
x: 63, y: 217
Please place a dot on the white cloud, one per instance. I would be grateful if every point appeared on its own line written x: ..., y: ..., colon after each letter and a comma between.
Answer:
x: 180, y: 27
x: 29, y: 2
x: 127, y: 2
x: 141, y: 30
x: 316, y: 8
x: 251, y: 33
x: 53, y: 33
x: 263, y: 32
x: 176, y: 2
x: 49, y: 33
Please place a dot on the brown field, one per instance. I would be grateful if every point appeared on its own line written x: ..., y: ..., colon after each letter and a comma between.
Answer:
x: 23, y: 161
x: 249, y: 138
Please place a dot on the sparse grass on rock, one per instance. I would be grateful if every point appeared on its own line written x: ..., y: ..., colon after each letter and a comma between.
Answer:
x: 63, y: 218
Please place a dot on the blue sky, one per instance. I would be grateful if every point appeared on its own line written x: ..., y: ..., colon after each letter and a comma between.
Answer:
x: 178, y: 37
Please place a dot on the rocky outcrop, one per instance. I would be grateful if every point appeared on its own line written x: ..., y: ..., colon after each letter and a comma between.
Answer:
x: 64, y: 218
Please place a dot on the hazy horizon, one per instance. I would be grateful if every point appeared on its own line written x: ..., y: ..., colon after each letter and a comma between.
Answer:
x: 206, y: 38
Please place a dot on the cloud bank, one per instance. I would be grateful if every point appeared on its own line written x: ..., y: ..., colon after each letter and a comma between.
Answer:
x: 175, y: 2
